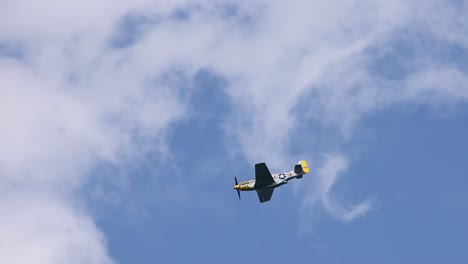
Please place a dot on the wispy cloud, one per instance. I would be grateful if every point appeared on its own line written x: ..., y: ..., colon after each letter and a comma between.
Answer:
x: 68, y: 103
x: 320, y: 194
x: 328, y: 175
x: 74, y: 96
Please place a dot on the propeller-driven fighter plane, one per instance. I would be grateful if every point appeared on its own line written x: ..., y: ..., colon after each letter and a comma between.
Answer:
x: 265, y: 182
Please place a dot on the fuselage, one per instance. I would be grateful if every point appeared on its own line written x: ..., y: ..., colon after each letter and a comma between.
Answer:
x: 279, y: 179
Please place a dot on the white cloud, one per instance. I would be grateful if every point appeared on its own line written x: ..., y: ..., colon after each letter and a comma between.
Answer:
x: 68, y: 102
x: 323, y: 49
x: 321, y: 194
x: 328, y: 176
x: 37, y: 228
x: 72, y: 100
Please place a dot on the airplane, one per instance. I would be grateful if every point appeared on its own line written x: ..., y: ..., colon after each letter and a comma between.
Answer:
x: 265, y: 182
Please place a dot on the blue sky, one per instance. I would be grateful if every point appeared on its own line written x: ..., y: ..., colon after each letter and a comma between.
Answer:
x: 124, y: 125
x: 412, y: 165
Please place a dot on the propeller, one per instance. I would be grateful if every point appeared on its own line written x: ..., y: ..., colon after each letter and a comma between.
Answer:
x: 238, y: 192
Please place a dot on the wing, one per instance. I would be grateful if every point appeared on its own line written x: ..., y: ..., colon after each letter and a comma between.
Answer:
x: 263, y: 176
x: 264, y: 195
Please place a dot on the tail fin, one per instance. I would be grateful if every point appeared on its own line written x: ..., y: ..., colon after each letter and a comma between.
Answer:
x: 301, y: 167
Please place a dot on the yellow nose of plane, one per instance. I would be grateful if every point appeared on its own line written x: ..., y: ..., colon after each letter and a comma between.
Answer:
x: 236, y: 187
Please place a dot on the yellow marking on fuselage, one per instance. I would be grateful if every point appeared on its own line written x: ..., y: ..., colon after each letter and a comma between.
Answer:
x: 244, y: 187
